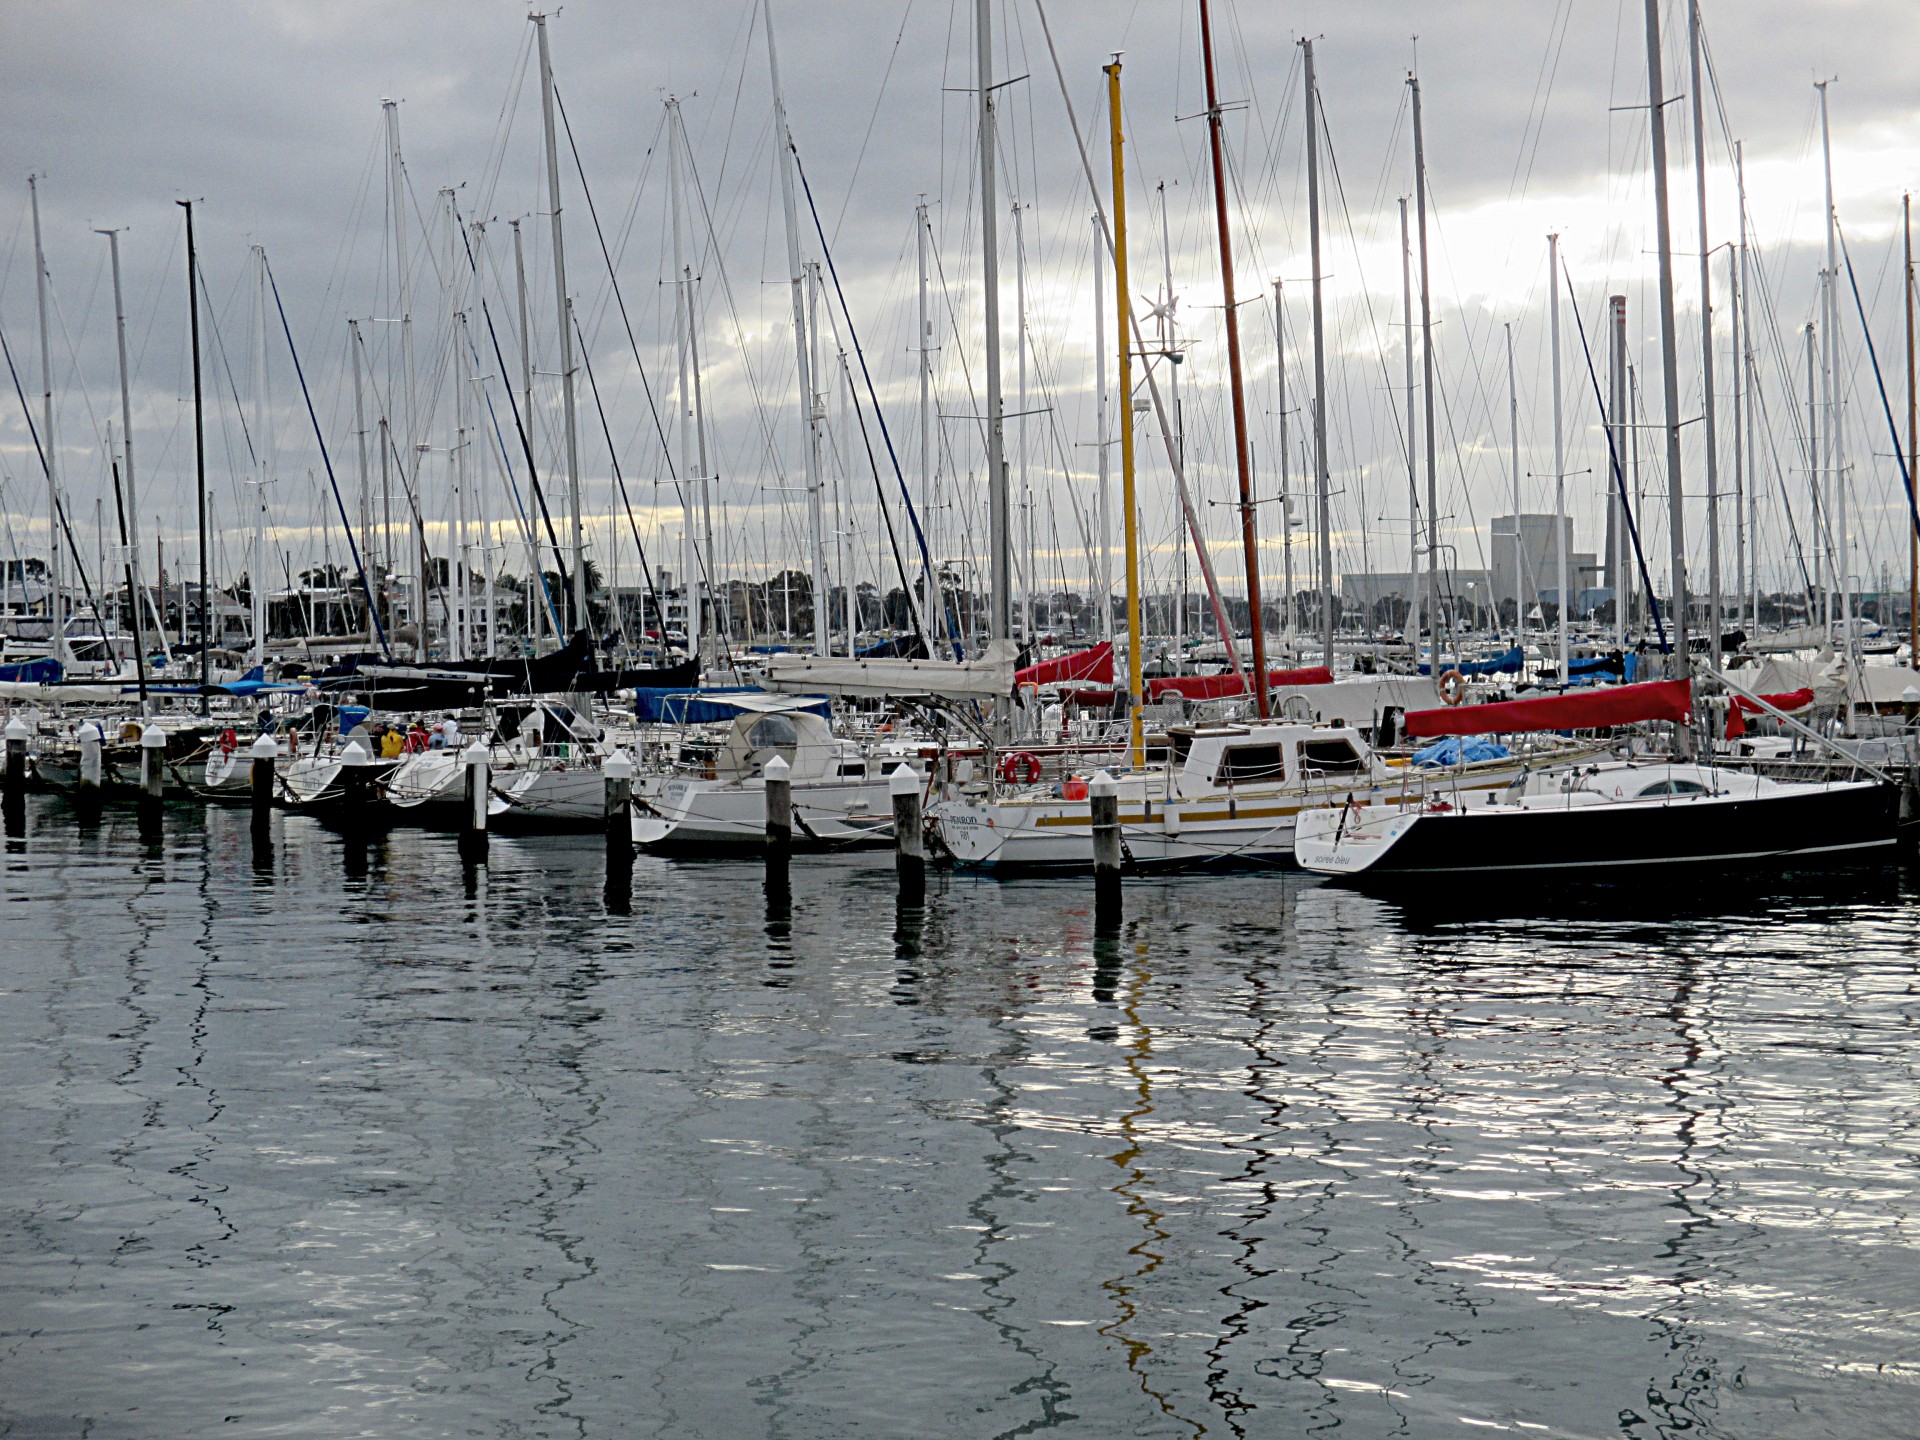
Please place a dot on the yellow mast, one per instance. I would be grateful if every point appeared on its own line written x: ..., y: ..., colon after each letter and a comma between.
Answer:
x: 1135, y: 698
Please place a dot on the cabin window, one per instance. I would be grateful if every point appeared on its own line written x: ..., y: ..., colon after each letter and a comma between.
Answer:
x: 854, y: 767
x: 1179, y: 744
x: 771, y: 732
x: 1251, y: 762
x: 1674, y: 787
x: 1330, y: 757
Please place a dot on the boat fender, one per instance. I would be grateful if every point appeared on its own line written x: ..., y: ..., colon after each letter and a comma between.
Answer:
x: 1021, y: 767
x: 229, y: 742
x: 1453, y: 687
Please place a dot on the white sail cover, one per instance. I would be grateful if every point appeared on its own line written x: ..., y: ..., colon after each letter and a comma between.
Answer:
x: 988, y: 678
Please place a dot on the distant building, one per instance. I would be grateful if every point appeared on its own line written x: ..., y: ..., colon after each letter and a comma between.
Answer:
x: 1458, y: 588
x: 1538, y: 580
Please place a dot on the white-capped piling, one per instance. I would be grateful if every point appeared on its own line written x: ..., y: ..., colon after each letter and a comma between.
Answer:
x: 779, y: 807
x: 356, y: 785
x: 473, y: 822
x: 909, y: 832
x: 153, y: 763
x: 16, y: 775
x: 616, y: 774
x: 265, y: 754
x: 1103, y: 804
x: 87, y: 789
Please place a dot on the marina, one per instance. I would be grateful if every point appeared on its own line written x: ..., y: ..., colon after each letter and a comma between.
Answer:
x: 1178, y: 781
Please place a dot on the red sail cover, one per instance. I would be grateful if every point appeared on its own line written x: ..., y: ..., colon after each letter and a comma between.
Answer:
x: 1212, y: 687
x: 1581, y: 710
x: 1742, y: 707
x: 1095, y: 665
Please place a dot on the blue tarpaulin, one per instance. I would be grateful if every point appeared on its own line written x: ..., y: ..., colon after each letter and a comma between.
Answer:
x: 687, y: 707
x: 1457, y: 750
x: 1507, y: 664
x: 33, y: 672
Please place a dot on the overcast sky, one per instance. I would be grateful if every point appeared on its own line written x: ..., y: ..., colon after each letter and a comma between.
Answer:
x: 269, y: 116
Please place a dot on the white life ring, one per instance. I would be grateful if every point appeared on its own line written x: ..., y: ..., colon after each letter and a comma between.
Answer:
x: 1453, y: 687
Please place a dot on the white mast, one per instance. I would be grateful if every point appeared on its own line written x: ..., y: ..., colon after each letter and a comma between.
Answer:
x: 1103, y: 501
x: 1562, y: 598
x: 1030, y: 578
x: 1413, y: 472
x: 809, y: 410
x: 129, y: 494
x: 1322, y: 480
x: 1513, y: 462
x: 1286, y: 463
x: 930, y: 602
x: 1177, y: 442
x: 1000, y: 531
x: 262, y: 464
x: 460, y: 561
x: 1747, y: 371
x: 1618, y: 570
x: 55, y: 569
x: 1669, y: 362
x: 1836, y: 457
x: 690, y: 468
x: 1698, y: 86
x: 560, y: 301
x: 360, y: 439
x: 536, y: 582
x: 397, y: 189
x: 1426, y: 376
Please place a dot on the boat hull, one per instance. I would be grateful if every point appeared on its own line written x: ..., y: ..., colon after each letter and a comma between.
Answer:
x: 1846, y: 822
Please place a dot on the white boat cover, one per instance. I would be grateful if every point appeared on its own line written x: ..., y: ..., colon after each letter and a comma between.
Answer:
x: 1826, y: 675
x: 988, y: 678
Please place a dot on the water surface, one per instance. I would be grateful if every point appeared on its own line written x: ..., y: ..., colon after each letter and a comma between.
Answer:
x: 354, y: 1141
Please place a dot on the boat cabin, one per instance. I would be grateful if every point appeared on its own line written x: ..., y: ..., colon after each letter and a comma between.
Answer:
x: 1210, y: 758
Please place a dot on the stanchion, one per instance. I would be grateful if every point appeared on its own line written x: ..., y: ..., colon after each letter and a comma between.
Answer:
x: 909, y: 831
x: 617, y: 775
x: 1103, y: 800
x: 473, y: 823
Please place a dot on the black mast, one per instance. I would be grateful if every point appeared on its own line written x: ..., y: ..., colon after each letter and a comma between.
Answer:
x: 199, y: 447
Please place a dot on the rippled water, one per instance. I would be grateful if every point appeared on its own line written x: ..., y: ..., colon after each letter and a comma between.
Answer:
x: 354, y: 1144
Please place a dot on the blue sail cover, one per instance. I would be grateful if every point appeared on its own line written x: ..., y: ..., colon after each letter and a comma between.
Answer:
x: 688, y: 707
x: 1507, y: 664
x: 1452, y: 751
x: 33, y: 672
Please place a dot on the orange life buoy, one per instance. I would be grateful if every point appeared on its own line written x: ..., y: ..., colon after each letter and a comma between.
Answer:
x: 1453, y: 687
x: 1020, y: 767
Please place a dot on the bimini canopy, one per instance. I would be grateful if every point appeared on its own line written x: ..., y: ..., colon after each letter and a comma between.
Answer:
x: 988, y: 678
x: 704, y: 707
x: 1588, y: 710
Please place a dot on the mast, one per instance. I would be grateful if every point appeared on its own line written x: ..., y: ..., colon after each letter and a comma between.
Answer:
x: 1697, y: 87
x: 199, y: 454
x: 1426, y: 377
x: 1836, y: 466
x: 461, y: 560
x: 1813, y: 479
x: 1029, y: 575
x: 1413, y: 455
x: 360, y: 435
x: 1739, y: 454
x: 397, y: 202
x: 810, y: 415
x: 560, y: 301
x: 1103, y: 501
x: 1286, y: 483
x: 1748, y: 372
x: 1129, y: 510
x: 536, y: 578
x: 690, y: 468
x: 1320, y: 475
x: 1242, y: 454
x: 1513, y: 459
x: 1669, y: 363
x: 1618, y: 571
x: 129, y: 495
x: 49, y: 450
x: 261, y: 473
x: 928, y: 599
x: 1913, y: 435
x: 999, y: 530
x: 1561, y: 598
x: 1177, y: 440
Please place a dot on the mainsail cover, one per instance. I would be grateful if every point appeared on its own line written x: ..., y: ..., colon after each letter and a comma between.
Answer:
x: 1588, y: 710
x: 1094, y: 666
x: 1212, y: 687
x: 988, y: 678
